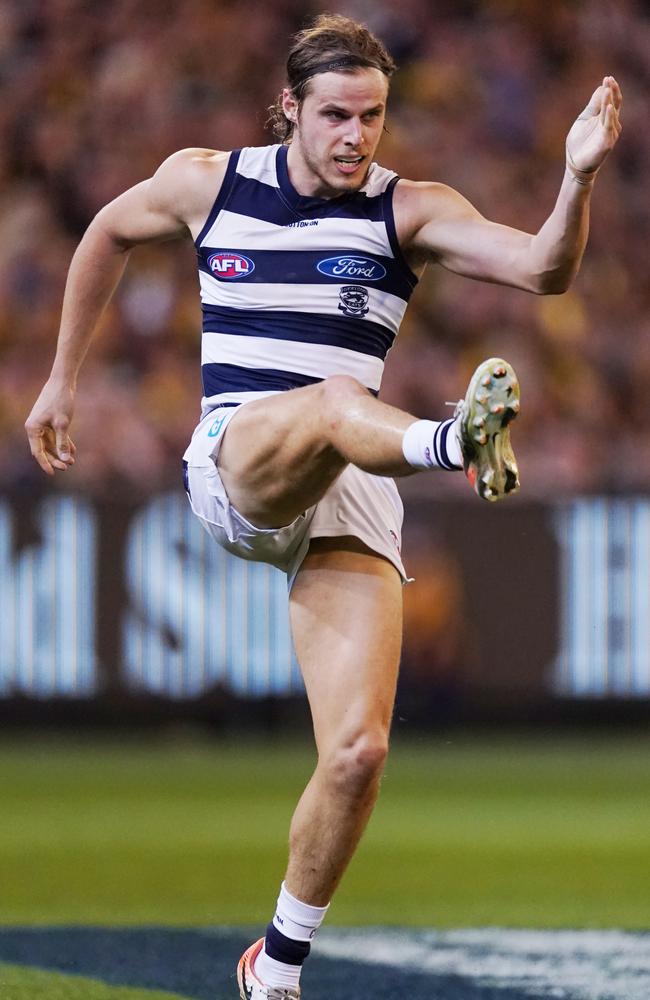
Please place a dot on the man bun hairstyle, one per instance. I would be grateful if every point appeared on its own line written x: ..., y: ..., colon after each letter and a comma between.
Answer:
x: 331, y: 43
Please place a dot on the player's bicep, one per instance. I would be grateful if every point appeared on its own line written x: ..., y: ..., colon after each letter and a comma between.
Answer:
x: 458, y: 237
x: 140, y: 215
x: 173, y: 203
x: 487, y: 251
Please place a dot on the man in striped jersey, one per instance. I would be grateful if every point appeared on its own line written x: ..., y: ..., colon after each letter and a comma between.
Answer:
x: 308, y: 253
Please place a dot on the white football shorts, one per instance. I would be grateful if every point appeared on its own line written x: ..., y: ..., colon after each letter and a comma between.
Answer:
x: 359, y: 504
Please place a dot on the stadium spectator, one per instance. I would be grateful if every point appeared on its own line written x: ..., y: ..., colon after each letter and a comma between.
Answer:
x: 96, y: 103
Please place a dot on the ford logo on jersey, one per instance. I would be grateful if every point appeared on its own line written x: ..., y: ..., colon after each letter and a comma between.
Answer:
x: 230, y: 266
x: 352, y: 266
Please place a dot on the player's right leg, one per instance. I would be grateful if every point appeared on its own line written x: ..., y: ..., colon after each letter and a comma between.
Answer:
x: 279, y: 455
x: 490, y: 404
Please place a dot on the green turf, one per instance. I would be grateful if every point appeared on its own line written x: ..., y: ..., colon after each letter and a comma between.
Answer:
x: 20, y: 983
x: 467, y: 833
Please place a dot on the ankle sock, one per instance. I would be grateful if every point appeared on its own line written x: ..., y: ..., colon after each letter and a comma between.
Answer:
x: 288, y: 940
x: 432, y: 444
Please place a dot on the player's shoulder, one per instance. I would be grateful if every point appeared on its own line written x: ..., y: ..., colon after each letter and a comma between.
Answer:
x: 413, y: 195
x: 193, y: 164
x: 189, y: 181
x: 415, y: 203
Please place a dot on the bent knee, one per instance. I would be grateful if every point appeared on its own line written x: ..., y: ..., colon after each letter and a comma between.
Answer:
x: 337, y: 393
x: 357, y: 765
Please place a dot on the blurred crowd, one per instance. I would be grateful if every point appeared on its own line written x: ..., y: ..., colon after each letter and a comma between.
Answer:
x: 95, y: 96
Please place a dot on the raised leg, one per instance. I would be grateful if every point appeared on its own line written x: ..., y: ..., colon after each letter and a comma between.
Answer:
x: 280, y: 455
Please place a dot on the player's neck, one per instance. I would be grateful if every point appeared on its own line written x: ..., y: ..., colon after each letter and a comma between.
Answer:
x: 308, y: 183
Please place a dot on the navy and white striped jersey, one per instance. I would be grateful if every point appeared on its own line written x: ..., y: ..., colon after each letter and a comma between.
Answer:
x: 294, y: 289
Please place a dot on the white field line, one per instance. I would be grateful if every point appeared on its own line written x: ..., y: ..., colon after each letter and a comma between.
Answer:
x: 575, y: 965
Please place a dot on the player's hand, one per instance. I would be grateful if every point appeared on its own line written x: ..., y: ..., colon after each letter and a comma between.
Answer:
x: 595, y: 132
x: 47, y: 427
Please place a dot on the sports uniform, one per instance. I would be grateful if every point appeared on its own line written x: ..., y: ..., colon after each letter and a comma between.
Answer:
x: 293, y: 290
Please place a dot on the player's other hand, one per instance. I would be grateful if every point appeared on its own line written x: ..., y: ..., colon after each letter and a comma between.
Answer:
x: 47, y: 427
x: 597, y: 129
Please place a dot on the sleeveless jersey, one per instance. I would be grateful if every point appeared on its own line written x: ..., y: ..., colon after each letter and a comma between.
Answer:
x: 293, y: 288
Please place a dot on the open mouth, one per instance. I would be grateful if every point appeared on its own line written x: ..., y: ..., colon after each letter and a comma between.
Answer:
x: 348, y: 164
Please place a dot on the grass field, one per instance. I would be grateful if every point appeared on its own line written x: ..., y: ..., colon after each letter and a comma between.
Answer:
x: 468, y: 833
x: 128, y: 869
x: 19, y: 983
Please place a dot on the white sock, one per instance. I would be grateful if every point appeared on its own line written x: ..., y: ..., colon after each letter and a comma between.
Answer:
x: 273, y: 973
x: 432, y: 444
x: 296, y: 921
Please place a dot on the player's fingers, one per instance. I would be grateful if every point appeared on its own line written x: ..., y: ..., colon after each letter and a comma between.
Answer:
x: 606, y: 104
x: 611, y: 122
x: 50, y: 450
x: 44, y: 464
x: 37, y: 448
x: 63, y: 444
x: 56, y: 462
x: 616, y: 91
x: 35, y: 435
x: 42, y: 444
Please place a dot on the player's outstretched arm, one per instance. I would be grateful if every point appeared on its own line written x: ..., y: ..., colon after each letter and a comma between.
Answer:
x: 174, y: 201
x: 437, y: 223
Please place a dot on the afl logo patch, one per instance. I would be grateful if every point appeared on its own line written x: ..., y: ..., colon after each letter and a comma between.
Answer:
x: 230, y: 266
x: 353, y: 300
x: 352, y: 266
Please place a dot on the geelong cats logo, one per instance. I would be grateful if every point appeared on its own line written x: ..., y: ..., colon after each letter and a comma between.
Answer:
x: 354, y: 300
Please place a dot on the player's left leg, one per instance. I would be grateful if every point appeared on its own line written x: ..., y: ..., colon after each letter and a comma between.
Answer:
x: 346, y: 616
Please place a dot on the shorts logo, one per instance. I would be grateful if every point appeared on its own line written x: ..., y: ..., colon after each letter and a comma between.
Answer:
x: 361, y: 268
x: 353, y: 300
x: 230, y: 266
x: 216, y: 426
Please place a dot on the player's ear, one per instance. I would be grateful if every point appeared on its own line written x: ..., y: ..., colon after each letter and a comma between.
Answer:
x: 289, y: 105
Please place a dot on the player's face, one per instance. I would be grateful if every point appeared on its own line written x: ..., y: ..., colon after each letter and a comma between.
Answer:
x: 337, y: 128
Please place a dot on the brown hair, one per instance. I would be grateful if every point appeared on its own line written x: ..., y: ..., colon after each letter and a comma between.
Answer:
x: 331, y: 42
